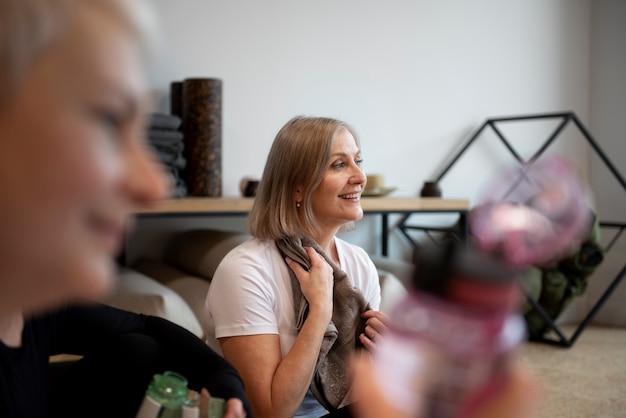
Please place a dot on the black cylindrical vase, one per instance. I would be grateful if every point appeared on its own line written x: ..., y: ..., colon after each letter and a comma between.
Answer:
x: 202, y: 128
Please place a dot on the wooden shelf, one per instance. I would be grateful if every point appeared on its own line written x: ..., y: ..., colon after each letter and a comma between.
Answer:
x: 413, y: 204
x: 191, y: 205
x: 382, y: 206
x: 236, y: 205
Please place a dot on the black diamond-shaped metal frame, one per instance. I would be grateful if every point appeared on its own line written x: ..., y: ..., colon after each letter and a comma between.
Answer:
x: 616, y: 227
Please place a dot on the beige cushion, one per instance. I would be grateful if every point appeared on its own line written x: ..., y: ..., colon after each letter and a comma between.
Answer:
x: 194, y: 291
x: 158, y: 270
x: 199, y: 251
x: 403, y: 270
x: 191, y: 288
x: 139, y: 293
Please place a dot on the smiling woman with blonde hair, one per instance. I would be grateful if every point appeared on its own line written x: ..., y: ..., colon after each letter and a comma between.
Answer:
x: 291, y: 306
x: 74, y: 163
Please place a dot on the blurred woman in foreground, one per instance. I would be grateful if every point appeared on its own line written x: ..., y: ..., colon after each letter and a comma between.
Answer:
x: 73, y: 165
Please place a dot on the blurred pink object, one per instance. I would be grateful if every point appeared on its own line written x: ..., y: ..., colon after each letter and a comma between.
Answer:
x: 534, y: 214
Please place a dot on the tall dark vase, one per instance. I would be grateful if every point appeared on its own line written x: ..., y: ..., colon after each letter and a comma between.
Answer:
x: 202, y: 128
x: 176, y: 98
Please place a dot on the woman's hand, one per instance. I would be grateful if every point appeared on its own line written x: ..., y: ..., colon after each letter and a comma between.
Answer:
x: 234, y: 406
x: 371, y: 402
x: 317, y: 283
x: 519, y: 399
x: 375, y: 325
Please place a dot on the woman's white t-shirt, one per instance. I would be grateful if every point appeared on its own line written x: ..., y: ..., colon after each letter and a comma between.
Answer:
x: 251, y: 292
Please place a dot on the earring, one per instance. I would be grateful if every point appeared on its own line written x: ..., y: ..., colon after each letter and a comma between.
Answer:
x: 298, y: 204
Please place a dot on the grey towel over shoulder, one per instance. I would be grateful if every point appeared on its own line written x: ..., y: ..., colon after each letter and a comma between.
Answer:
x: 332, y: 379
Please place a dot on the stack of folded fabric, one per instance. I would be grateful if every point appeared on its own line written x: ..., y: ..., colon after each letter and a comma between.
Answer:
x: 167, y: 140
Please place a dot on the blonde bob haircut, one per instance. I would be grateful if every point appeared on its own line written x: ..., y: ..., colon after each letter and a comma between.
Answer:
x: 297, y: 161
x: 28, y: 28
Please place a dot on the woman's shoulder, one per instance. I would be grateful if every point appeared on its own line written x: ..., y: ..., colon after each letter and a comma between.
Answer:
x: 254, y: 254
x: 252, y: 248
x: 252, y: 264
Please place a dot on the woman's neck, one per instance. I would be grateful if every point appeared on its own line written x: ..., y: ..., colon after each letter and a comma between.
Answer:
x: 327, y: 242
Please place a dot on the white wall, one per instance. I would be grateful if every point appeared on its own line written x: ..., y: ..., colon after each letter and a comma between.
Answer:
x: 415, y: 77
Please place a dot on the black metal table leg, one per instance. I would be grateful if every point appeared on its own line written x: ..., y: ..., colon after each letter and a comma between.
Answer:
x: 384, y: 236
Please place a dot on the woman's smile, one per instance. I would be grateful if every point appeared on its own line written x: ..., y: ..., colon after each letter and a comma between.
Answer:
x: 351, y: 196
x: 109, y: 229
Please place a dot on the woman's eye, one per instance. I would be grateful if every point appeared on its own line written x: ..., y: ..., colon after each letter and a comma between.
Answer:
x: 111, y: 120
x: 341, y: 164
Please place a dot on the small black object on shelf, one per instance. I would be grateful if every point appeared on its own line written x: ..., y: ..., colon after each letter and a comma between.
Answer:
x: 430, y: 189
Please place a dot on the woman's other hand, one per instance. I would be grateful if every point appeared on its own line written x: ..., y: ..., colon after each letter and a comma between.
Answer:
x: 371, y: 402
x: 375, y: 325
x: 519, y: 399
x: 234, y: 406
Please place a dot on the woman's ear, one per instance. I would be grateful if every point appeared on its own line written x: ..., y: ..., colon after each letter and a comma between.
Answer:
x: 299, y: 195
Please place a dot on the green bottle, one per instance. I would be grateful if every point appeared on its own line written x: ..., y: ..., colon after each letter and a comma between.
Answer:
x: 165, y: 397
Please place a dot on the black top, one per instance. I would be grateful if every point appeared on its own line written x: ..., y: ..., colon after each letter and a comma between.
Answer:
x: 80, y: 329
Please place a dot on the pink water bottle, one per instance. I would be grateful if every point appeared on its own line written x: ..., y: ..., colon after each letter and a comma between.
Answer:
x: 451, y: 339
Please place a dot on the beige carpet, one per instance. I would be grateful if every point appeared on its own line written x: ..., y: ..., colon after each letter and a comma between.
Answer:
x: 586, y: 380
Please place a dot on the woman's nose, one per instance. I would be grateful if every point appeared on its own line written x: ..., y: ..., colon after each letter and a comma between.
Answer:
x: 358, y: 177
x: 147, y: 179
